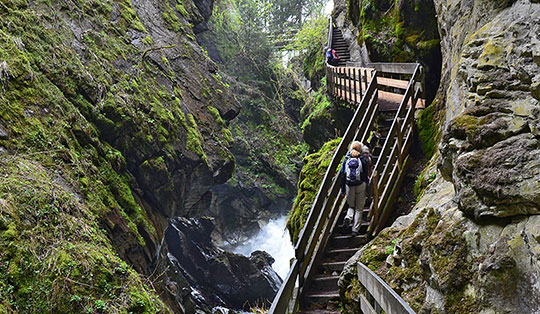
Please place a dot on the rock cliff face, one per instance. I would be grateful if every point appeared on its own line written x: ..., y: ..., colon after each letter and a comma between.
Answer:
x: 471, y: 244
x: 112, y: 121
x: 393, y: 31
x: 266, y: 138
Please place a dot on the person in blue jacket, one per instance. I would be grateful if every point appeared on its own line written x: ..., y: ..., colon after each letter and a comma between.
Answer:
x: 331, y: 56
x: 355, y: 178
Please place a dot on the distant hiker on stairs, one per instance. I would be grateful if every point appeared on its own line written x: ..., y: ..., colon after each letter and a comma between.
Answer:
x: 331, y: 56
x: 354, y: 172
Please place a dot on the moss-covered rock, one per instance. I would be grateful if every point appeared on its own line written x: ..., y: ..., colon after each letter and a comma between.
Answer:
x: 324, y: 118
x: 439, y: 261
x: 55, y: 255
x: 491, y: 114
x: 268, y: 149
x: 315, y: 167
x: 400, y: 31
x: 101, y: 104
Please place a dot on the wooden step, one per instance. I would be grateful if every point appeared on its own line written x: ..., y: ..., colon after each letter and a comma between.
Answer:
x: 339, y: 255
x: 347, y: 230
x: 324, y: 283
x: 321, y: 298
x: 391, y: 99
x: 330, y: 267
x: 392, y: 82
x: 346, y: 241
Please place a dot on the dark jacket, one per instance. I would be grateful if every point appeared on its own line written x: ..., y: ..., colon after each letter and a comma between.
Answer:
x: 363, y: 177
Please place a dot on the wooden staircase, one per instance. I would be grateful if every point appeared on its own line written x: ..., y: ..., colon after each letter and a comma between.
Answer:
x: 323, y: 296
x: 323, y: 293
x: 341, y: 46
x: 386, y: 96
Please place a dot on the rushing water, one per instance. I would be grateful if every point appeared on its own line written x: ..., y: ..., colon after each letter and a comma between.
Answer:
x: 274, y: 239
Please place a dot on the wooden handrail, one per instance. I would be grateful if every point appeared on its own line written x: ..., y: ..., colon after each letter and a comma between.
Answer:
x: 330, y: 32
x: 384, y: 296
x: 392, y: 162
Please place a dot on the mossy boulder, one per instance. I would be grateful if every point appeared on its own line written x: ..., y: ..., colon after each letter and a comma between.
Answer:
x: 222, y: 278
x: 315, y: 167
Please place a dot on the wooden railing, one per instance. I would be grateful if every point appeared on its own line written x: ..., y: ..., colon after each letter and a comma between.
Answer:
x: 378, y: 295
x: 325, y: 209
x: 348, y: 83
x: 393, y: 158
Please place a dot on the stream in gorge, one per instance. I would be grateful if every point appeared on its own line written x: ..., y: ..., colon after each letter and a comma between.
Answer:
x: 274, y: 239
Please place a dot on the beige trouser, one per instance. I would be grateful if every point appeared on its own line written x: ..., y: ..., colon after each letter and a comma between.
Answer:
x: 356, y: 198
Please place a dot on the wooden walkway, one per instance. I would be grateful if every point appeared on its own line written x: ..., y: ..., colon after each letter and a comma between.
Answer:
x: 386, y: 96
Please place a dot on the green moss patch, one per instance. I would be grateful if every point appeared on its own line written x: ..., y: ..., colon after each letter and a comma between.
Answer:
x: 315, y: 167
x: 53, y: 255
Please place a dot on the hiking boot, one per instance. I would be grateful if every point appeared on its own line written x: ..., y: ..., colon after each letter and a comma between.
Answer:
x: 347, y: 221
x: 354, y: 234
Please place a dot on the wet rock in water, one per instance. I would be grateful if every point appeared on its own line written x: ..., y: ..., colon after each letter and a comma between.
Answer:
x: 212, y: 277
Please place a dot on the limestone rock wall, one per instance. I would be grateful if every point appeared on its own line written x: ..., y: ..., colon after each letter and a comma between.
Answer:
x: 116, y: 119
x: 471, y: 244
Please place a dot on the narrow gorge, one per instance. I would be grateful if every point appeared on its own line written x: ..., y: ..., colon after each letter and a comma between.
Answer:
x: 143, y: 142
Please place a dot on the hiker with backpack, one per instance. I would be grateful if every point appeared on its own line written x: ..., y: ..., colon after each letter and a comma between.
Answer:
x: 331, y: 56
x: 354, y: 171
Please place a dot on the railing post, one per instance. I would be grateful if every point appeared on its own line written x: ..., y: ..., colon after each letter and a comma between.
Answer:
x: 341, y: 83
x: 375, y: 193
x: 350, y: 81
x: 328, y: 82
x: 365, y: 78
x: 355, y: 76
x: 334, y: 83
x: 331, y: 78
x: 399, y: 144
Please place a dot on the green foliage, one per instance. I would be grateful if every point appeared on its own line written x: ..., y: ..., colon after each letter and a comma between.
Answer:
x: 283, y: 15
x: 194, y: 138
x: 171, y: 18
x: 316, y: 108
x: 268, y: 143
x: 238, y: 28
x: 389, y: 249
x: 310, y: 41
x: 315, y: 167
x: 422, y: 182
x: 225, y: 132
